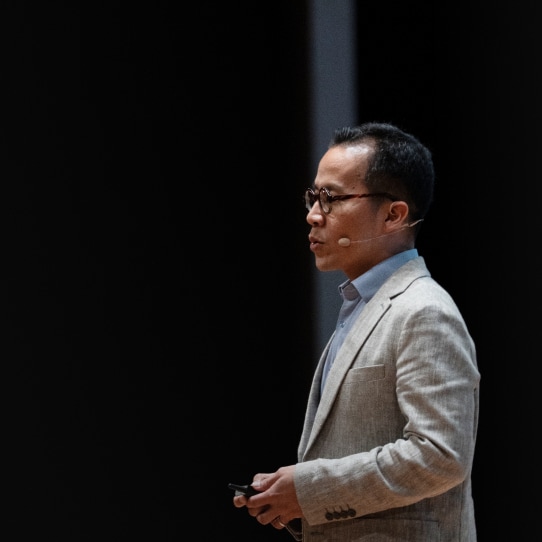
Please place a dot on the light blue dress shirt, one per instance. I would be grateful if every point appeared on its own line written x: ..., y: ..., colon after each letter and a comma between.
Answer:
x: 356, y: 294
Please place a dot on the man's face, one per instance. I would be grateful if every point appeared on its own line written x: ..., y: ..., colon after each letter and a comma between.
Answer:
x: 348, y: 237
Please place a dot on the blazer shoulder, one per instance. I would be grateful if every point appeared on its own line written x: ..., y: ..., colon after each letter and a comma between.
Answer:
x: 406, y: 274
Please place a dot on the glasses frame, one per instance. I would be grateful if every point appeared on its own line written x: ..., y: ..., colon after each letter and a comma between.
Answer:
x: 311, y: 196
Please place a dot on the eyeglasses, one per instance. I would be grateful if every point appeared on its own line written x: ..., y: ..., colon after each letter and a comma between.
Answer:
x: 325, y: 199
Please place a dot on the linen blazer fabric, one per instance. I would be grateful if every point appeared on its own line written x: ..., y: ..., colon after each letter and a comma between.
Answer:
x: 386, y: 453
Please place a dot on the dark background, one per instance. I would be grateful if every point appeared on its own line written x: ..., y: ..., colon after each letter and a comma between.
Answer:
x: 158, y: 288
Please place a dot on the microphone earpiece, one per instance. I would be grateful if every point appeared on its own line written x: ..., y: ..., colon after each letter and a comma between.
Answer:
x: 345, y: 242
x: 412, y: 223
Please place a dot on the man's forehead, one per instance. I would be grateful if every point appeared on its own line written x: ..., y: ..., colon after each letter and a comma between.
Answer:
x: 342, y: 164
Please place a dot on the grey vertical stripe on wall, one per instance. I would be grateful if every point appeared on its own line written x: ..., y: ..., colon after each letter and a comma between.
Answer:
x: 333, y: 89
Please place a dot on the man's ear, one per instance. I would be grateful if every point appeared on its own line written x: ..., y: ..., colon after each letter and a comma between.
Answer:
x: 397, y: 215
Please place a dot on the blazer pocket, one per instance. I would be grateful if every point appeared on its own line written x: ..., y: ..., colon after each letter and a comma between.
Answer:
x: 365, y: 374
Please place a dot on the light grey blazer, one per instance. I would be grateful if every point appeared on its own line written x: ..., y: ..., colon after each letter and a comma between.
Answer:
x: 386, y: 453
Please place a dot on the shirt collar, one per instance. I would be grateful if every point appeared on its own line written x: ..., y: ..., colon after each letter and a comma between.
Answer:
x: 368, y: 283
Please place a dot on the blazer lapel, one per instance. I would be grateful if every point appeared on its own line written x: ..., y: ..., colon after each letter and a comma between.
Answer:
x: 319, y: 407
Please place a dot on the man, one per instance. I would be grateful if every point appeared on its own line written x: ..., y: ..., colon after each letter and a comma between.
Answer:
x: 388, y: 442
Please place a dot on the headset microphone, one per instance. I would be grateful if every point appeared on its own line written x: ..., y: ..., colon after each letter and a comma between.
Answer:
x: 345, y: 242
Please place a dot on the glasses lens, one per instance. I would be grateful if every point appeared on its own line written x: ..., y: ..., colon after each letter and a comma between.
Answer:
x: 325, y: 200
x: 322, y: 196
x: 309, y: 199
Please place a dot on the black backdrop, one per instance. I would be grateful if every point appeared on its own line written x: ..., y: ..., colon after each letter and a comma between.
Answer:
x: 158, y: 290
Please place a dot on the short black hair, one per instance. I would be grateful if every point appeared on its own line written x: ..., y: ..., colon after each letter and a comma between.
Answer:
x: 400, y: 164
